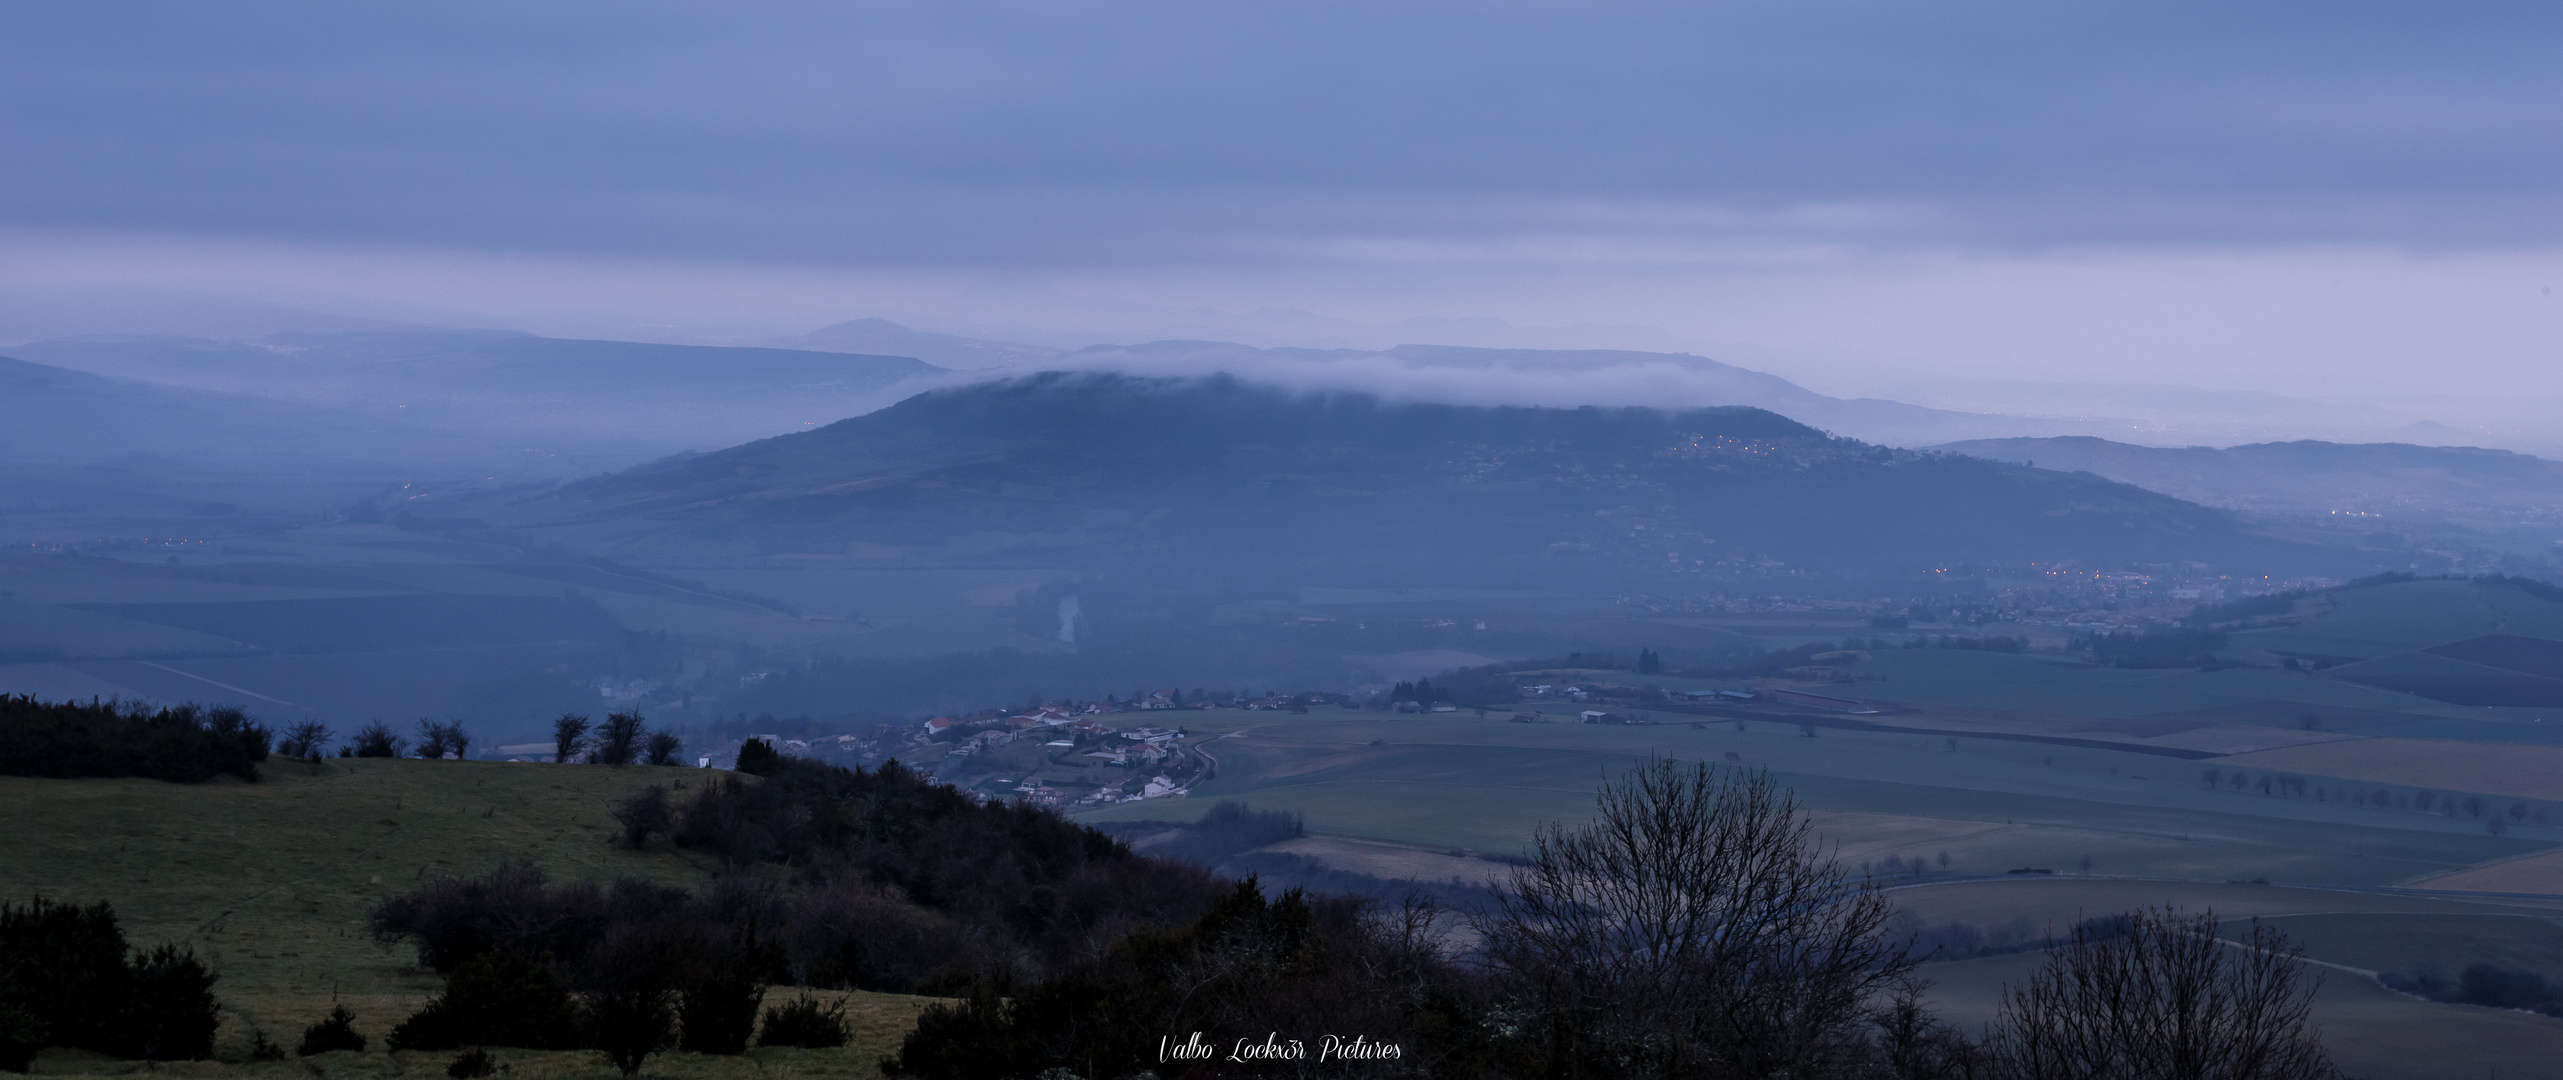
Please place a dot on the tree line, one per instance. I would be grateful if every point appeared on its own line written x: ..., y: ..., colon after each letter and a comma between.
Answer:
x: 194, y: 743
x: 184, y: 744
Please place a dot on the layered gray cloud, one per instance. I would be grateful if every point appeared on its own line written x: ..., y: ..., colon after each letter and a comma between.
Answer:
x: 962, y: 134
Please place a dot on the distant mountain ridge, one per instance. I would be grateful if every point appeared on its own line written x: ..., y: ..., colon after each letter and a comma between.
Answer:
x: 883, y: 337
x: 1236, y: 477
x: 1469, y: 375
x: 1483, y: 376
x: 2306, y: 477
x: 634, y: 400
x: 57, y: 415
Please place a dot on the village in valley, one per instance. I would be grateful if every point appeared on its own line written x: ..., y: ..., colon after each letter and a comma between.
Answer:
x: 1061, y: 754
x: 1075, y: 755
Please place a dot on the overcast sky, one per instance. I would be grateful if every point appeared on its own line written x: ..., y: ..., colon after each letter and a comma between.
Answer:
x: 1848, y: 193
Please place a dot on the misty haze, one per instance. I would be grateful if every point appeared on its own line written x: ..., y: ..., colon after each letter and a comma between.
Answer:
x: 987, y: 542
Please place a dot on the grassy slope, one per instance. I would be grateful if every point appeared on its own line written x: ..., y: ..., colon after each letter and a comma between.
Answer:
x: 270, y: 882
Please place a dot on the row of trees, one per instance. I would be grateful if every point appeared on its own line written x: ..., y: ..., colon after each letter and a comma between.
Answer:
x: 310, y: 740
x: 2167, y: 647
x: 193, y: 743
x: 621, y: 740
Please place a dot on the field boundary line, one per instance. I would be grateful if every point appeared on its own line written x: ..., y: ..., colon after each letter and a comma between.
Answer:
x: 2410, y: 881
x: 224, y: 685
x: 1821, y: 720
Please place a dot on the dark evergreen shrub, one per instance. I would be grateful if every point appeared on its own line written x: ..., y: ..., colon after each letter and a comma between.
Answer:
x: 631, y: 980
x: 234, y: 726
x: 631, y: 1022
x: 501, y: 997
x: 805, y: 1022
x: 2163, y: 648
x: 2502, y: 988
x: 68, y: 966
x: 20, y: 1035
x: 473, y: 1063
x: 169, y: 1011
x: 1248, y: 966
x: 644, y: 814
x: 757, y: 758
x: 716, y: 1006
x: 262, y: 1050
x: 455, y: 919
x: 72, y: 976
x: 186, y: 744
x: 1229, y: 828
x: 337, y: 1031
x: 663, y: 748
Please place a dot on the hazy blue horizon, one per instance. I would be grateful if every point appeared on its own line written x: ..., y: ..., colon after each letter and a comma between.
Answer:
x: 1856, y: 195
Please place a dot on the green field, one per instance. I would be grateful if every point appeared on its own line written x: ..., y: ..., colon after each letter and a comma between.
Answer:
x: 2448, y: 941
x: 2031, y: 682
x: 1484, y: 785
x: 2371, y: 622
x: 2377, y: 628
x: 269, y: 883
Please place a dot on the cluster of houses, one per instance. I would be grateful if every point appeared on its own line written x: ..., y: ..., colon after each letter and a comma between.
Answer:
x: 1597, y: 691
x: 1071, y: 731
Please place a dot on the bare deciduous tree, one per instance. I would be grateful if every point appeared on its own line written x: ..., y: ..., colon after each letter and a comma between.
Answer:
x: 569, y: 736
x: 663, y: 747
x: 304, y: 740
x: 1692, y: 928
x: 618, y: 739
x: 2154, y: 995
x: 431, y: 739
x: 439, y: 738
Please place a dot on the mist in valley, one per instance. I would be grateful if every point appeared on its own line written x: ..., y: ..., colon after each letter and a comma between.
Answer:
x: 941, y: 502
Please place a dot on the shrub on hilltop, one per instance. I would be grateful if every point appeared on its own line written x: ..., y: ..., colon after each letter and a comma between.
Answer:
x: 184, y: 744
x: 377, y: 740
